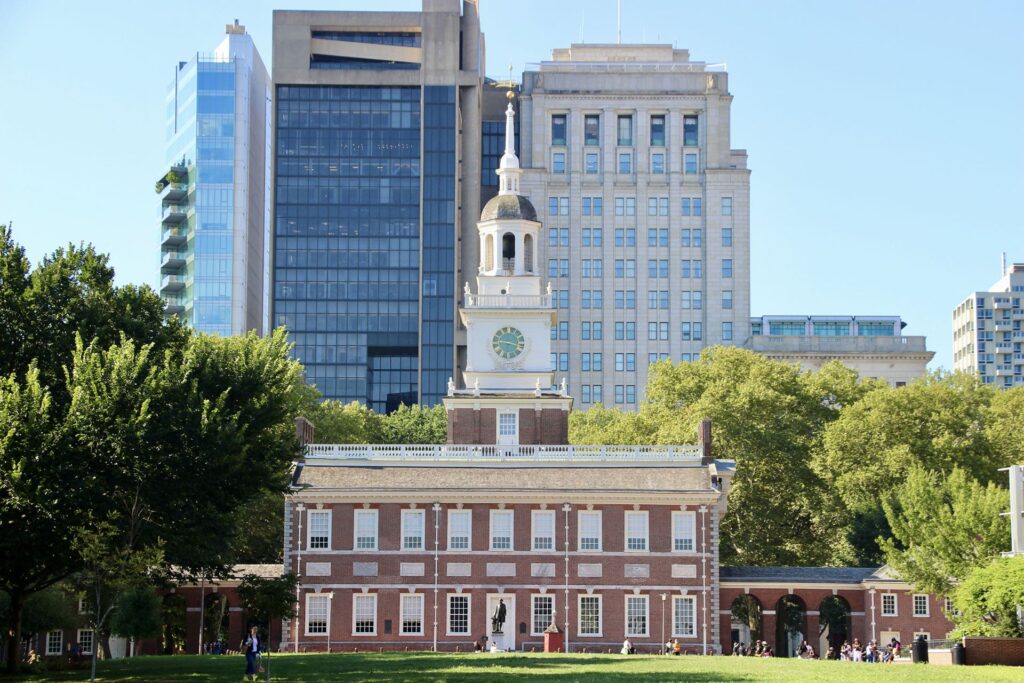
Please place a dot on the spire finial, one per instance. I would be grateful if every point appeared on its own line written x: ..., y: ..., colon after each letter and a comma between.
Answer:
x: 508, y: 168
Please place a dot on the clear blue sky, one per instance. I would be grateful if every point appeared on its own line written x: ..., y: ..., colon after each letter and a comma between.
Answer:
x: 885, y: 137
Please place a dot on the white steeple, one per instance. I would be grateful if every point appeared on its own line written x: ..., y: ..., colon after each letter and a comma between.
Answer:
x: 508, y: 170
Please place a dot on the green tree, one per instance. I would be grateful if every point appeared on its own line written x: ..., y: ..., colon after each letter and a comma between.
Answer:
x: 766, y: 415
x: 266, y: 599
x: 937, y: 422
x: 415, y: 425
x: 47, y: 610
x: 138, y: 614
x: 34, y: 533
x: 943, y: 526
x: 337, y: 422
x: 989, y: 600
x: 111, y: 565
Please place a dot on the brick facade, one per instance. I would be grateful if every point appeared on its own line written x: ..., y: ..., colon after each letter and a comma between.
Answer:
x: 519, y: 574
x: 536, y: 426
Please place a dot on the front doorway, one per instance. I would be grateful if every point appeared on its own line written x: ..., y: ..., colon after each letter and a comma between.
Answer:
x: 506, y: 639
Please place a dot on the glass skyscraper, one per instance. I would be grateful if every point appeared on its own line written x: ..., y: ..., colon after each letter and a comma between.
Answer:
x: 376, y: 135
x: 213, y: 192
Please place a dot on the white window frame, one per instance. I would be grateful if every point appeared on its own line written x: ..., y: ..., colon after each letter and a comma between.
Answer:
x: 895, y: 605
x: 579, y: 531
x: 356, y: 597
x: 309, y: 528
x: 375, y: 514
x: 419, y: 597
x: 81, y: 604
x: 948, y: 607
x: 913, y: 603
x: 324, y: 598
x: 692, y: 599
x: 533, y: 611
x: 50, y: 651
x: 647, y: 616
x: 469, y: 530
x: 647, y: 531
x: 534, y: 515
x: 579, y: 616
x: 680, y: 515
x: 422, y: 514
x: 92, y: 640
x: 511, y: 533
x: 469, y: 615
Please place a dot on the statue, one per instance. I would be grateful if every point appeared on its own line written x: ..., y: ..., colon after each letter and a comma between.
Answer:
x: 498, y: 619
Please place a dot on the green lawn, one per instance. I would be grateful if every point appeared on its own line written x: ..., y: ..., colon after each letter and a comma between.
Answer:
x: 487, y: 668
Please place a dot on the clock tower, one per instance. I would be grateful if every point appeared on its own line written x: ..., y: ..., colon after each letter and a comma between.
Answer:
x: 509, y: 395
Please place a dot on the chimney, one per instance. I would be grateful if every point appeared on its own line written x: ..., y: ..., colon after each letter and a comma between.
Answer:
x: 305, y: 431
x: 704, y: 440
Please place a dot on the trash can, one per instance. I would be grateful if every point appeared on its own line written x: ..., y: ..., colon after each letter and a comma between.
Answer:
x: 919, y: 650
x: 958, y: 653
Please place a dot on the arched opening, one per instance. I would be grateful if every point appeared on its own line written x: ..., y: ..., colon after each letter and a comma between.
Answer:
x: 488, y: 253
x: 746, y: 621
x: 215, y: 623
x: 528, y: 253
x: 172, y: 620
x: 835, y: 625
x: 508, y: 252
x: 790, y: 625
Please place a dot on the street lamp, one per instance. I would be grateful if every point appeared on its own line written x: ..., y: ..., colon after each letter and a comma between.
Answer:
x: 664, y: 649
x: 330, y: 616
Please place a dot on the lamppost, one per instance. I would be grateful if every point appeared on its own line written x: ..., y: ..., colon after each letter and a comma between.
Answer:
x: 298, y: 574
x: 664, y: 650
x: 330, y: 616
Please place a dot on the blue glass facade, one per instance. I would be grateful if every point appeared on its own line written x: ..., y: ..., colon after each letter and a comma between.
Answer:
x: 438, y: 314
x: 347, y: 238
x: 201, y: 139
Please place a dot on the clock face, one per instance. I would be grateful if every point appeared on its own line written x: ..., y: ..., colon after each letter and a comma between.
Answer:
x: 508, y: 342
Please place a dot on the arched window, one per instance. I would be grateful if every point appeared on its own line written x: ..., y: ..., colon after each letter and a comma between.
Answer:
x: 508, y: 252
x: 528, y: 252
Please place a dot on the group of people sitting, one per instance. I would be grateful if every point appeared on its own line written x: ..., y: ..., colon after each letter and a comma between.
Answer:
x: 870, y: 653
x: 759, y: 648
x: 848, y: 652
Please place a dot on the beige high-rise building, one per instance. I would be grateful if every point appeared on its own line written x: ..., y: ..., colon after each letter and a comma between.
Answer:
x: 987, y: 334
x: 627, y: 155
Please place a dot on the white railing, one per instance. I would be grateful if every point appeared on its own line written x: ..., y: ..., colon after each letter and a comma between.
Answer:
x: 491, y: 453
x: 507, y: 301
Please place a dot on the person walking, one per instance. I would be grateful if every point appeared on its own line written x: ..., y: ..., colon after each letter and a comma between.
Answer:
x: 250, y: 647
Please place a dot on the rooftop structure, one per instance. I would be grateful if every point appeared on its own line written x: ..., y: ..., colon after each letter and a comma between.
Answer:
x: 874, y: 346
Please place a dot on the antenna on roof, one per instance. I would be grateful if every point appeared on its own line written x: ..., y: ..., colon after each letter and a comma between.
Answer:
x: 1002, y: 270
x: 583, y: 22
x: 618, y: 21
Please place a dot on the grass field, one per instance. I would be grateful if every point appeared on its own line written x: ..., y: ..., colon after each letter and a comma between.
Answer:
x: 525, y: 668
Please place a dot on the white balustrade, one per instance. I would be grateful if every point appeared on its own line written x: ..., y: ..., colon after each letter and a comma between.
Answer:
x: 491, y: 453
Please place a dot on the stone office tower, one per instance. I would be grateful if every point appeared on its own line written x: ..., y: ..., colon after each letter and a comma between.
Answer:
x: 646, y: 212
x: 377, y: 177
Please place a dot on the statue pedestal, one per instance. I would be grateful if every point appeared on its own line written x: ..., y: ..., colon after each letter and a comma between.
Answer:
x: 554, y: 640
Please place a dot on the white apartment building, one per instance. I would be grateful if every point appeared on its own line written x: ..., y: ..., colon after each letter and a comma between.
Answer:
x: 987, y: 334
x: 626, y: 154
x: 873, y: 345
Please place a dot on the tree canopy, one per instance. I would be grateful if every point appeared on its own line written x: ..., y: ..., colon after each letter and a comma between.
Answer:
x: 988, y: 600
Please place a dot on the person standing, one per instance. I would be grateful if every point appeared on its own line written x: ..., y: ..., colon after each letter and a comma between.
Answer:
x: 250, y: 647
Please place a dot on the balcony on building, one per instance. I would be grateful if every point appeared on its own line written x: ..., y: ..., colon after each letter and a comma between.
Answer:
x: 173, y: 214
x: 1004, y: 370
x: 172, y: 283
x: 172, y: 261
x: 174, y: 193
x: 507, y: 300
x: 1003, y: 326
x: 172, y: 237
x: 173, y: 307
